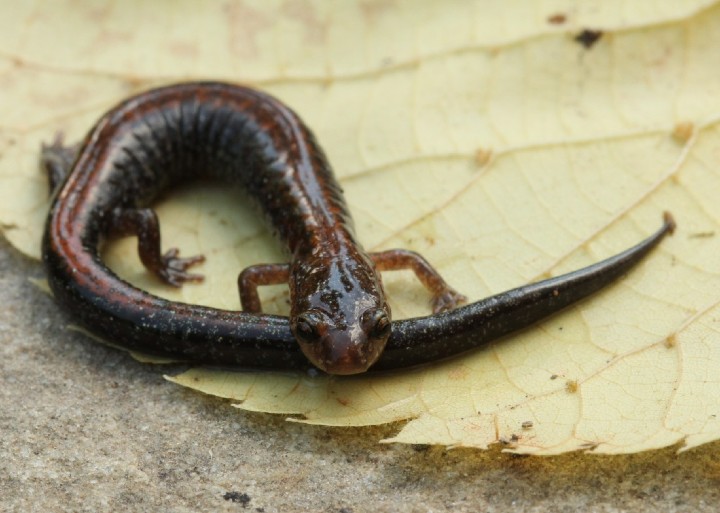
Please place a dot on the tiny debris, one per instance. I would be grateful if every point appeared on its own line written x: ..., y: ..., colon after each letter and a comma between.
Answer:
x: 571, y: 386
x: 671, y: 341
x: 512, y: 441
x: 589, y: 446
x: 483, y: 156
x: 557, y: 19
x: 588, y: 37
x: 683, y: 131
x: 241, y: 498
x: 527, y: 424
x: 701, y: 235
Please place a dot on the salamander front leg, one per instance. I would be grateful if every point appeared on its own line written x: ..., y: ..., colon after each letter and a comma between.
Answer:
x: 143, y: 223
x: 444, y: 297
x: 258, y: 275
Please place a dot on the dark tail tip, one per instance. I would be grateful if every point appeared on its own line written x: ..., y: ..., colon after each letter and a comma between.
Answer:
x: 669, y: 221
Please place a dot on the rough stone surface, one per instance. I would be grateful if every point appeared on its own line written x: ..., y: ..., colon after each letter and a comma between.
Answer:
x: 86, y: 428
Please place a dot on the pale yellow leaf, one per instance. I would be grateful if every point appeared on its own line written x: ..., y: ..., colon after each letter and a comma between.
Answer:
x: 480, y: 134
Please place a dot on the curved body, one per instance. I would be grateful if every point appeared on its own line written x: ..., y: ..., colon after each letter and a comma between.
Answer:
x: 339, y: 318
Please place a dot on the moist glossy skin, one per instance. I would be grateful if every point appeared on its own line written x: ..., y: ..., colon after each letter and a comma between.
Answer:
x: 338, y: 311
x: 339, y: 320
x: 241, y: 136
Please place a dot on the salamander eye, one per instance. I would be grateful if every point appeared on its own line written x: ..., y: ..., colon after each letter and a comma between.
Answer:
x: 309, y: 326
x: 378, y: 324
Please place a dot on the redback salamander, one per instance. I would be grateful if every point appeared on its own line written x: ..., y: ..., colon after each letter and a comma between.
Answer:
x: 339, y: 318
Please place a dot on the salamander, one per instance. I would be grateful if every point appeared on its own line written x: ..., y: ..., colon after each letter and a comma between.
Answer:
x: 339, y: 319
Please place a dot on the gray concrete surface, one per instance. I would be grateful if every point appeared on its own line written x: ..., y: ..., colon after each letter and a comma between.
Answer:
x: 86, y: 428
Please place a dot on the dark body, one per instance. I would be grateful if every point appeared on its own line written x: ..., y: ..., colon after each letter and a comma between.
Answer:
x: 339, y: 319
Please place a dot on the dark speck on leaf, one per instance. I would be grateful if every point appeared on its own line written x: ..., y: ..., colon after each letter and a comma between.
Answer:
x: 588, y: 38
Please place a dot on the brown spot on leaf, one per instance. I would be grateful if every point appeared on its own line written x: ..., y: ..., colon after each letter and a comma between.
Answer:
x: 304, y: 12
x: 458, y: 373
x: 183, y: 49
x: 244, y: 25
x: 483, y: 156
x: 682, y: 132
x: 375, y: 9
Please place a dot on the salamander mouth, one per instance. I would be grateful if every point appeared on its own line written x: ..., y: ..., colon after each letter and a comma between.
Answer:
x: 352, y: 362
x: 342, y: 359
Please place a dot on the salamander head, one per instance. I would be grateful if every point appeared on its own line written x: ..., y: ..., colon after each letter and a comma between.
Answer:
x: 346, y: 350
x: 339, y: 315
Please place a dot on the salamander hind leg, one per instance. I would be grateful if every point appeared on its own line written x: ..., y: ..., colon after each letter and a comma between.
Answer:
x: 444, y: 297
x: 143, y: 223
x: 57, y: 159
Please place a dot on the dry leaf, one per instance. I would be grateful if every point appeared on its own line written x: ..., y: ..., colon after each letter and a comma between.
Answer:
x: 583, y: 155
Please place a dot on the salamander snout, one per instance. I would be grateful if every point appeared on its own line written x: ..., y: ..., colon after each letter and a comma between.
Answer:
x: 342, y: 348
